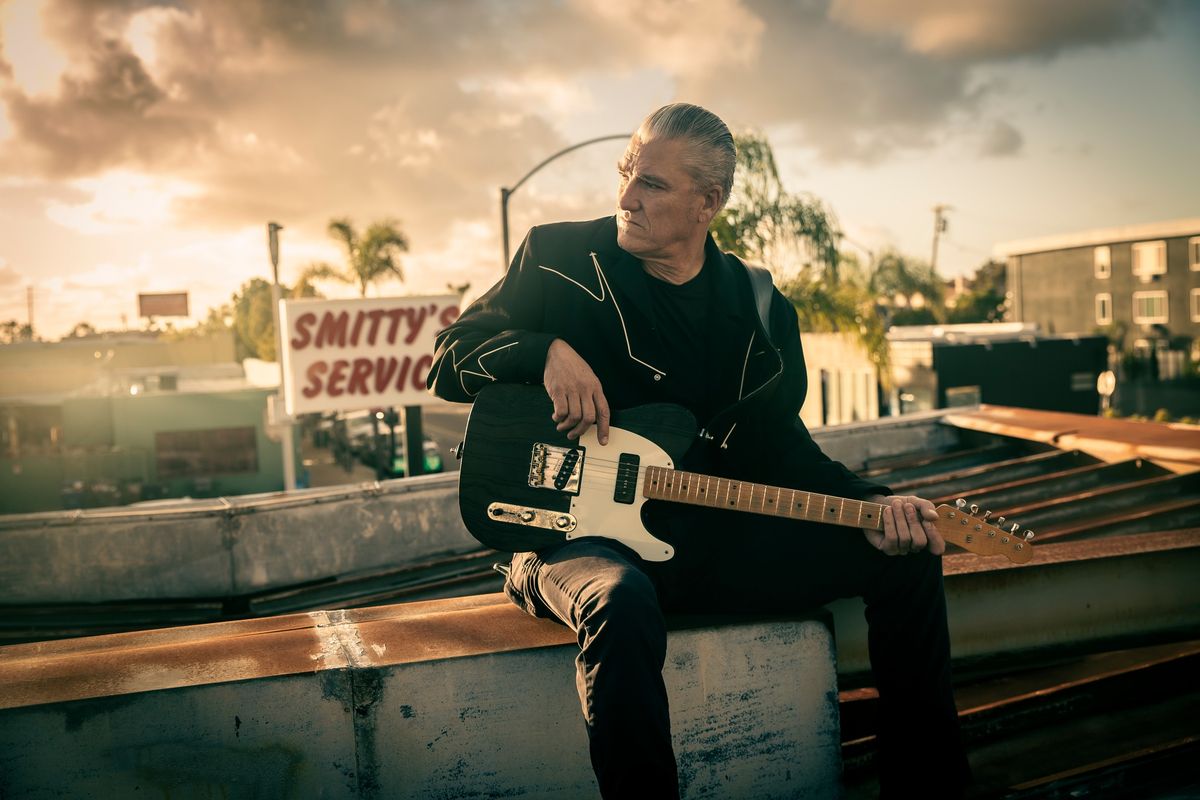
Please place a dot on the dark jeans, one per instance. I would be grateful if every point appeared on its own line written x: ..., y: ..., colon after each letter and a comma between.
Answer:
x: 615, y: 603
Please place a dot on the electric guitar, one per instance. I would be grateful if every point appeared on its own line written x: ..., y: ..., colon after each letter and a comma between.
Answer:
x: 524, y: 485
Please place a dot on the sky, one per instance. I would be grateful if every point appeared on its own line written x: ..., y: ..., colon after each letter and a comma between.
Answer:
x: 145, y: 145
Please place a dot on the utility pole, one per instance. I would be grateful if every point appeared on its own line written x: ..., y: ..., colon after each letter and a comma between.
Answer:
x: 939, y: 227
x: 284, y: 421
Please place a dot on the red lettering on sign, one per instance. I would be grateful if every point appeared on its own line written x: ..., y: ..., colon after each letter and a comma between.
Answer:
x: 415, y: 329
x: 394, y: 314
x: 334, y: 388
x: 421, y: 373
x: 374, y: 315
x: 333, y: 329
x: 358, y: 377
x: 404, y: 365
x: 449, y: 314
x: 314, y: 373
x: 303, y: 323
x: 385, y: 368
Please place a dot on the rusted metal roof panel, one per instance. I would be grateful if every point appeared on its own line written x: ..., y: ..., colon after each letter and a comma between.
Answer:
x: 1175, y: 446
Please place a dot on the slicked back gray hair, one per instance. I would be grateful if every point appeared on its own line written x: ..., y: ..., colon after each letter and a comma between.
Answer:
x: 711, y: 158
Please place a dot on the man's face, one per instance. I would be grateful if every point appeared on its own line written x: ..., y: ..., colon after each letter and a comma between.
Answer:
x: 659, y: 210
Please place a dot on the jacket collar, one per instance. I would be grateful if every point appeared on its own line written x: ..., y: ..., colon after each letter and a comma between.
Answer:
x: 624, y: 272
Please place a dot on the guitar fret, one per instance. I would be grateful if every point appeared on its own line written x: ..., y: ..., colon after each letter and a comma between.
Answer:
x: 662, y: 483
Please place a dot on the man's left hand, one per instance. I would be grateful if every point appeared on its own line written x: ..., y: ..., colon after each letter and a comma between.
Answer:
x: 907, y: 526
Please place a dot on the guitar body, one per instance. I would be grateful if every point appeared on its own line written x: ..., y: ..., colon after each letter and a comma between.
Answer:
x: 510, y: 434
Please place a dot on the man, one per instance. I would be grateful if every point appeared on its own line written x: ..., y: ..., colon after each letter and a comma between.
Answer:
x: 643, y: 307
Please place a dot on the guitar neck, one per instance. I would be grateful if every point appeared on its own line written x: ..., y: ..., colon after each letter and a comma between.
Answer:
x: 678, y: 486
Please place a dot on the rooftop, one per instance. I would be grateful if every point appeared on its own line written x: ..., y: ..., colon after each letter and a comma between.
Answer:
x: 1097, y: 236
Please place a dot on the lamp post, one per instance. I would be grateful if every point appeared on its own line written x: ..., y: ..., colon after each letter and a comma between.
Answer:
x: 289, y: 450
x: 506, y: 192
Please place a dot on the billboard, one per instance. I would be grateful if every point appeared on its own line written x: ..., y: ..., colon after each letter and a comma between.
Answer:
x: 163, y: 304
x: 343, y: 355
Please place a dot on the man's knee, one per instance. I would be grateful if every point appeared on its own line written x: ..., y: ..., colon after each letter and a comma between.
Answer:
x: 620, y: 593
x: 621, y: 606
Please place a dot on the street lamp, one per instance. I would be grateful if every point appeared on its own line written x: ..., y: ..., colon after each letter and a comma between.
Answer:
x: 506, y: 193
x: 289, y: 448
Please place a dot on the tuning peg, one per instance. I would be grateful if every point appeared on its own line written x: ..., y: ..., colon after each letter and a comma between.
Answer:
x: 960, y: 504
x: 985, y: 516
x: 1029, y: 536
x: 999, y: 522
x: 974, y: 509
x: 1013, y: 530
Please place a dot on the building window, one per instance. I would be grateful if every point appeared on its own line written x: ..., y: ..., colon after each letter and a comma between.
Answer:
x: 1104, y: 309
x: 1149, y: 259
x: 1195, y: 305
x: 202, y: 454
x: 1149, y: 307
x: 1194, y: 253
x: 1102, y: 261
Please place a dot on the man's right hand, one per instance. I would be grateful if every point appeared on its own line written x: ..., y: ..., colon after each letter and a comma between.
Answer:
x: 579, y: 400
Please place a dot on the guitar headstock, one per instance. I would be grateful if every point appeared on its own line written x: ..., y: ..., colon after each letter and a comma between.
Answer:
x: 962, y: 525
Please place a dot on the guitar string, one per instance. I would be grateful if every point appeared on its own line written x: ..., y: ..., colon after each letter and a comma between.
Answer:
x: 599, y: 469
x: 784, y: 510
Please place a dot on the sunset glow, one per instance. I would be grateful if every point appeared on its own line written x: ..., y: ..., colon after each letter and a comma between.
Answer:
x: 145, y: 149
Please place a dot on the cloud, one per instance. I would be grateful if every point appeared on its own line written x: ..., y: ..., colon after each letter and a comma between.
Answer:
x: 8, y: 275
x: 300, y: 111
x: 973, y: 31
x: 391, y: 92
x: 1001, y: 139
x: 844, y: 94
x: 120, y: 201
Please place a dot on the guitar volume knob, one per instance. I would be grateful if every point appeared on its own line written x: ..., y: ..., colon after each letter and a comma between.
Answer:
x: 562, y: 521
x: 527, y: 516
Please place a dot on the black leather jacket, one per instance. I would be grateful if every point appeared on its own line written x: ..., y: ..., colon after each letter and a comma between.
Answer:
x: 572, y: 281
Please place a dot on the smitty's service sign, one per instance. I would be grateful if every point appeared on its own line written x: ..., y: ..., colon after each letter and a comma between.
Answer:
x: 342, y: 355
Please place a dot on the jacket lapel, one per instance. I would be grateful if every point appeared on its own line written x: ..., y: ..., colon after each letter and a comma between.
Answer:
x: 623, y: 273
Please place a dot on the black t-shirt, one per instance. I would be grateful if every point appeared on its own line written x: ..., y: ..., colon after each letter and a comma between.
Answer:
x: 683, y: 315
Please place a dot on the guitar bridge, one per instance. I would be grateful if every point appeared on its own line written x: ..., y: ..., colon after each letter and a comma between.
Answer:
x: 558, y: 468
x: 533, y: 517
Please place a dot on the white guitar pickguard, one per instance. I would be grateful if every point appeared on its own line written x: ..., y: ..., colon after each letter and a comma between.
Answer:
x: 594, y: 508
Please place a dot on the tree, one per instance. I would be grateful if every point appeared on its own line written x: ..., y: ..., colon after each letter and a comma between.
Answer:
x: 253, y: 321
x: 12, y: 332
x: 897, y: 276
x: 374, y: 255
x: 797, y: 236
x: 81, y: 331
x: 985, y: 300
x: 764, y: 222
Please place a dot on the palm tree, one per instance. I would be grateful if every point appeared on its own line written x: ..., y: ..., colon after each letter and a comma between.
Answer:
x: 766, y: 223
x: 797, y: 236
x: 371, y: 257
x: 895, y: 275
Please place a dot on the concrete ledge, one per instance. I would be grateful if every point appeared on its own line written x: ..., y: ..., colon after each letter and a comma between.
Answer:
x: 227, y: 546
x: 446, y: 698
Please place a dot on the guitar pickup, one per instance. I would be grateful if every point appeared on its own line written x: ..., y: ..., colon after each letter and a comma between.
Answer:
x: 627, y: 478
x: 558, y: 468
